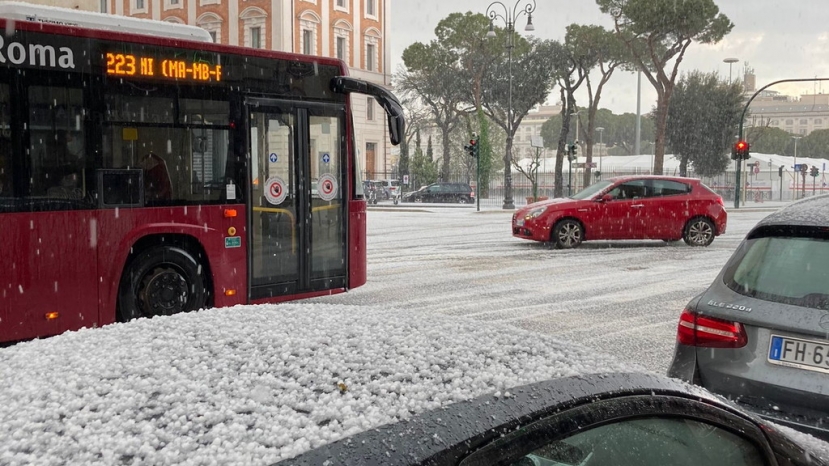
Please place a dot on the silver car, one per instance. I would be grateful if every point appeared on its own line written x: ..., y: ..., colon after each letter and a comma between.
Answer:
x: 759, y: 334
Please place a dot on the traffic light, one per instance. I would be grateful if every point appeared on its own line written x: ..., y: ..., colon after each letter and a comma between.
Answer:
x: 780, y: 171
x: 472, y: 147
x: 740, y: 150
x: 572, y: 152
x: 814, y: 171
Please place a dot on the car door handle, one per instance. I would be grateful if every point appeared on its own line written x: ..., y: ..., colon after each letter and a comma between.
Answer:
x: 638, y: 206
x: 584, y: 210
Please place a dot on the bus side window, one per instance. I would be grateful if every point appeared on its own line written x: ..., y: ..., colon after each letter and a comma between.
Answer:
x: 57, y: 149
x: 157, y: 183
x: 6, y: 188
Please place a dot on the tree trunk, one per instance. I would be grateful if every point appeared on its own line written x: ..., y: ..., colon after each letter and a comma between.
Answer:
x: 567, y: 104
x: 588, y: 148
x: 446, y: 143
x: 662, y: 102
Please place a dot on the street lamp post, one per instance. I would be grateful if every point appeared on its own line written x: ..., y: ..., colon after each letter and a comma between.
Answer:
x: 730, y: 62
x: 601, y: 147
x: 509, y: 18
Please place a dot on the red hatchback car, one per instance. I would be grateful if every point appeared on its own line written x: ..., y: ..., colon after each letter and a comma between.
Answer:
x: 628, y: 207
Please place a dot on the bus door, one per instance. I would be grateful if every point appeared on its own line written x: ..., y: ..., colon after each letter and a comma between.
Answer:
x: 298, y: 204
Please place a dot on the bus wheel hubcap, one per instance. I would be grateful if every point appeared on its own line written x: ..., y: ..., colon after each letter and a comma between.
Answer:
x: 164, y: 292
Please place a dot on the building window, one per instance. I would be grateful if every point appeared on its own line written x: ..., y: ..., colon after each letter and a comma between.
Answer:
x: 210, y: 2
x: 211, y: 23
x: 804, y: 121
x: 307, y: 42
x: 309, y: 26
x: 254, y: 26
x: 803, y: 131
x: 341, y: 48
x: 789, y: 122
x: 256, y: 37
x: 370, y: 109
x: 104, y: 6
x: 341, y: 5
x: 774, y: 122
x: 818, y: 121
x: 370, y: 54
x: 139, y: 4
x: 371, y: 7
x: 172, y: 4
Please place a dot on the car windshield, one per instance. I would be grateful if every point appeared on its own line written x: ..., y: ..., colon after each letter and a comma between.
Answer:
x: 790, y: 270
x: 591, y: 190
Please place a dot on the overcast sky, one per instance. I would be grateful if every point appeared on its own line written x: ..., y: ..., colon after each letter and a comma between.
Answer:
x: 778, y: 38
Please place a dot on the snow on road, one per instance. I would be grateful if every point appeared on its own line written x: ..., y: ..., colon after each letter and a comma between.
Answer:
x: 621, y: 297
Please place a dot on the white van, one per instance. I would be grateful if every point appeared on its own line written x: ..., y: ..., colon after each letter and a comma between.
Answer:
x: 392, y: 187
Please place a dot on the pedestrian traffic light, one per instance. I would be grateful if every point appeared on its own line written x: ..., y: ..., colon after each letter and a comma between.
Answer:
x: 814, y: 171
x: 780, y: 171
x: 740, y: 150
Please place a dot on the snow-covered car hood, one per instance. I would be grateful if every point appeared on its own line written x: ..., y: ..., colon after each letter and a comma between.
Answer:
x: 255, y: 384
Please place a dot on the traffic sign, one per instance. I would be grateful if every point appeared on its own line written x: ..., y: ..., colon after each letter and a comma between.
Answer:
x: 757, y: 168
x: 275, y: 190
x: 327, y: 187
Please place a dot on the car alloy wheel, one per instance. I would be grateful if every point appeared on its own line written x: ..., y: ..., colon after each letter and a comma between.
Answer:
x: 699, y: 232
x: 568, y: 234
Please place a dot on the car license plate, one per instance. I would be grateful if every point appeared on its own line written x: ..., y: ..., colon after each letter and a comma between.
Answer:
x: 795, y: 352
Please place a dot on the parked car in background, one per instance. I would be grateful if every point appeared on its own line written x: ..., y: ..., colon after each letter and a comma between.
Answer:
x: 630, y: 207
x: 374, y: 191
x: 759, y: 334
x: 442, y: 192
x: 391, y: 187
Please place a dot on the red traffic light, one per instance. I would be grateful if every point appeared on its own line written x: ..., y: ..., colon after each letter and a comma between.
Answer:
x: 742, y: 145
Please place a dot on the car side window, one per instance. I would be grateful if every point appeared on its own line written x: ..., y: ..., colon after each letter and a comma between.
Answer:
x: 640, y: 430
x: 669, y: 188
x: 630, y: 190
x: 653, y: 441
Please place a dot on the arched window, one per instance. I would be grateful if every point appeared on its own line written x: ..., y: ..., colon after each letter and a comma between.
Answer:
x: 211, y: 23
x: 309, y: 31
x: 342, y: 40
x: 372, y: 50
x: 253, y: 24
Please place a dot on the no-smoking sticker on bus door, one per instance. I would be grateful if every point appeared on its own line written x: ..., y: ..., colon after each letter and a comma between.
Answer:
x: 327, y: 187
x: 275, y: 190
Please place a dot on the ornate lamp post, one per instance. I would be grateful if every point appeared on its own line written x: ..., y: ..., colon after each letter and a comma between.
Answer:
x: 509, y: 18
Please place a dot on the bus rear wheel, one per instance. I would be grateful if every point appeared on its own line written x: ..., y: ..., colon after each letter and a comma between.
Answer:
x: 161, y: 281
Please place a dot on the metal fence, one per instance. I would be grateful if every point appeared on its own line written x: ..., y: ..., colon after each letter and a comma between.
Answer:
x: 757, y: 187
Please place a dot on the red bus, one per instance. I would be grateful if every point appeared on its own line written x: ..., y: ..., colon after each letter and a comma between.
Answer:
x: 145, y: 175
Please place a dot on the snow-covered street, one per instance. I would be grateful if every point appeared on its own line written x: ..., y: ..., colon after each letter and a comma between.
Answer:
x: 256, y: 384
x: 621, y: 297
